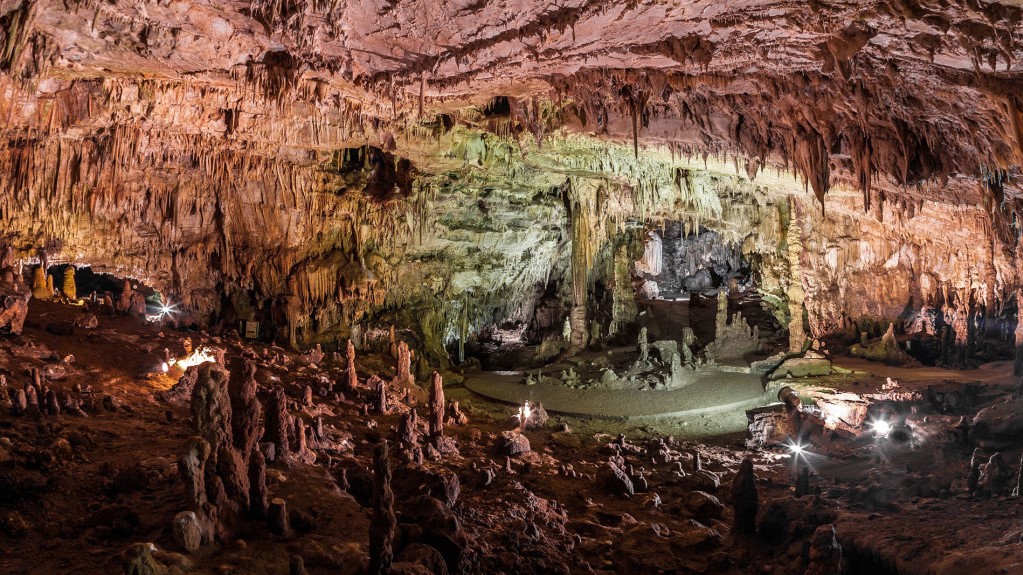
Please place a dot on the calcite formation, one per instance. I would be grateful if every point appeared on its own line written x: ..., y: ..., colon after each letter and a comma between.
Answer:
x: 313, y: 161
x: 522, y: 188
x: 14, y: 300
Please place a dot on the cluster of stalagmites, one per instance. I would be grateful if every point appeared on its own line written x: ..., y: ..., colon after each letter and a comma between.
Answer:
x: 240, y: 430
x: 224, y: 472
x: 36, y: 399
x: 245, y: 430
x: 14, y: 294
x: 644, y: 472
x: 223, y: 467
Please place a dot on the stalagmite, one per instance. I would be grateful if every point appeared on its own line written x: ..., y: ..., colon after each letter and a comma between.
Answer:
x: 138, y: 560
x: 52, y: 405
x: 233, y: 470
x: 581, y: 260
x: 721, y: 318
x: 188, y: 531
x: 125, y: 298
x: 277, y: 421
x: 277, y: 514
x: 246, y: 410
x: 803, y: 482
x: 211, y: 408
x: 14, y: 301
x: 259, y: 501
x: 404, y: 377
x: 1017, y: 491
x: 408, y: 433
x: 352, y: 378
x: 383, y: 523
x: 437, y: 406
x: 20, y: 402
x: 745, y: 499
x: 973, y: 478
x: 39, y: 288
x: 455, y: 416
x: 68, y: 287
x: 192, y: 467
x: 296, y: 566
x: 379, y: 394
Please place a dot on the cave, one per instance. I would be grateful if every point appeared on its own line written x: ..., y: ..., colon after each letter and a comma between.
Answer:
x: 478, y: 287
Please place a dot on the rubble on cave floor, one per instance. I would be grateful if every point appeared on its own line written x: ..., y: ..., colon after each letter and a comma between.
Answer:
x: 224, y: 480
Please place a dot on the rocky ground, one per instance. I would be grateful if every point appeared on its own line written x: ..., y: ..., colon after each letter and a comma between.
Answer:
x: 107, y: 470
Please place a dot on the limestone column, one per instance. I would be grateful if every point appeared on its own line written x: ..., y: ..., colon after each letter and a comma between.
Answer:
x: 721, y: 319
x: 1017, y: 366
x: 624, y: 298
x: 794, y: 290
x: 581, y: 250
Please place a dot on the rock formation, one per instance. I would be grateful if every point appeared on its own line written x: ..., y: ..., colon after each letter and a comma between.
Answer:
x: 246, y: 410
x: 278, y: 422
x: 383, y: 523
x: 825, y: 552
x: 436, y: 420
x: 351, y: 377
x: 745, y: 499
x: 68, y: 287
x: 211, y: 408
x: 14, y: 300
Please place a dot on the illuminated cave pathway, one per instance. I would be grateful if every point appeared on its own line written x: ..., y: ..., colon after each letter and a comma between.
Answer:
x: 710, y: 392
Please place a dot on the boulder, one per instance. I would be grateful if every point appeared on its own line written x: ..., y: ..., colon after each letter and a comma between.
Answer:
x: 511, y: 443
x: 412, y: 479
x: 614, y: 480
x: 999, y: 425
x: 702, y: 505
x: 188, y: 531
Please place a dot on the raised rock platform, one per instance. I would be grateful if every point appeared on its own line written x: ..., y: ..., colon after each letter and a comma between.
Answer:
x: 712, y: 391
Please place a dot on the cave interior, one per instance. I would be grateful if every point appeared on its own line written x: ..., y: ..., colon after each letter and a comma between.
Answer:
x: 421, y: 287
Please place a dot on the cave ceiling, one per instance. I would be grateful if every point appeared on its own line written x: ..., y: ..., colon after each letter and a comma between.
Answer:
x: 879, y: 94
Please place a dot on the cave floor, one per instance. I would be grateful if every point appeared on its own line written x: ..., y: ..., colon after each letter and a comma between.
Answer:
x: 75, y: 491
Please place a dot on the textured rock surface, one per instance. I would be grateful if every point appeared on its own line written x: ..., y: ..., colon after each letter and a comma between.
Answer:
x: 310, y: 161
x: 14, y: 298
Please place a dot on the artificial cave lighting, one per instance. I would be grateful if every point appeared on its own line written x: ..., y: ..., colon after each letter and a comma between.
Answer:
x: 476, y: 287
x: 197, y: 357
x: 881, y: 428
x: 796, y: 449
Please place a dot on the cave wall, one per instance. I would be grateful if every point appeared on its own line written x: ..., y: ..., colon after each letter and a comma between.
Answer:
x: 931, y: 268
x: 207, y: 149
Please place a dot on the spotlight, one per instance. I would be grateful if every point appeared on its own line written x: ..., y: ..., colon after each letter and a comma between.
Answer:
x: 881, y: 428
x: 796, y: 449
